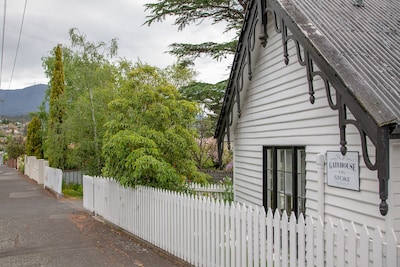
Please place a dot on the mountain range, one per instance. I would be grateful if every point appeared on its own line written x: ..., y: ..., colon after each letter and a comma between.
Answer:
x: 21, y: 102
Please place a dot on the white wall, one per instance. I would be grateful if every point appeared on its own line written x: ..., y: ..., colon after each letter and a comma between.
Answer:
x: 276, y: 111
x: 394, y: 188
x: 53, y: 180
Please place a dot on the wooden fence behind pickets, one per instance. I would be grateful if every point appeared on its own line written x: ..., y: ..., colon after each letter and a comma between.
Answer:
x: 207, y: 232
x: 217, y: 191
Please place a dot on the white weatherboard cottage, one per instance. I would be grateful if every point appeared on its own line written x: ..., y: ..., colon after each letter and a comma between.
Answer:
x: 312, y: 109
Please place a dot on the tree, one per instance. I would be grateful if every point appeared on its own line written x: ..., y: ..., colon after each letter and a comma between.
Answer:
x: 209, y: 96
x: 15, y: 147
x: 34, y: 138
x: 55, y: 142
x: 92, y: 77
x: 90, y: 81
x: 180, y: 74
x: 149, y: 141
x: 188, y: 12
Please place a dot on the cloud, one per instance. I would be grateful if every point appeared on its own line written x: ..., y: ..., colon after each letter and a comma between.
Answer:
x: 47, y: 23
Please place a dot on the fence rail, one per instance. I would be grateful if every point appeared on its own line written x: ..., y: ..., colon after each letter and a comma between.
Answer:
x: 205, y: 232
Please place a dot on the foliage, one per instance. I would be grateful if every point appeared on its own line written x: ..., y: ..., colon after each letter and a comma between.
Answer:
x: 149, y: 140
x: 188, y: 12
x: 15, y: 147
x: 92, y: 84
x: 216, y: 51
x: 57, y: 108
x: 228, y: 192
x: 72, y: 190
x: 125, y: 120
x: 180, y: 73
x: 43, y: 117
x: 21, y: 161
x: 90, y: 81
x: 210, y: 96
x: 55, y: 142
x: 205, y: 156
x: 34, y: 138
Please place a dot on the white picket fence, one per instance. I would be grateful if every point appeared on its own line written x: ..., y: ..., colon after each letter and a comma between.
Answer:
x: 210, y: 233
x: 35, y: 168
x: 53, y: 180
x: 218, y: 191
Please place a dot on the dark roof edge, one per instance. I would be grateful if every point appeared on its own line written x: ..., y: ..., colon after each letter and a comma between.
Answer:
x: 345, y: 72
x: 229, y: 91
x: 372, y: 118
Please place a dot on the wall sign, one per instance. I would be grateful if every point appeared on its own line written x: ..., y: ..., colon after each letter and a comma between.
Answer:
x: 343, y: 171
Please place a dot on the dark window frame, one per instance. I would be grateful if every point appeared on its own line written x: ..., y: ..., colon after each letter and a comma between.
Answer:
x: 294, y: 179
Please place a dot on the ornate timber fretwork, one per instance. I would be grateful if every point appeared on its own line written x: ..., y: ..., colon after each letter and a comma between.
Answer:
x: 243, y: 59
x: 345, y: 103
x: 288, y: 23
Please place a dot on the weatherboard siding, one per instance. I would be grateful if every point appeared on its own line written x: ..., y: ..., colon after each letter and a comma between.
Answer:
x: 394, y: 186
x: 275, y: 111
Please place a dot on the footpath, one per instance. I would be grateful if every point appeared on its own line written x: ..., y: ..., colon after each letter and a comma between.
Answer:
x: 37, y: 229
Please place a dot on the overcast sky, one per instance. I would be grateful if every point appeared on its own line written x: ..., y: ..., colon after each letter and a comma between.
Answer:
x: 47, y: 23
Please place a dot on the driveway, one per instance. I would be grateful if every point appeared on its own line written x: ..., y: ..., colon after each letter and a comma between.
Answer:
x: 37, y: 229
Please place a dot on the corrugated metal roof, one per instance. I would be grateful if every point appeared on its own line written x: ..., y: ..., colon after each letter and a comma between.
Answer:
x: 368, y: 37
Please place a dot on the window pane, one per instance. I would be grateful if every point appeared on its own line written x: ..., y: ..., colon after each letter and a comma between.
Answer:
x: 288, y: 171
x: 269, y: 169
x: 281, y: 177
x: 301, y: 181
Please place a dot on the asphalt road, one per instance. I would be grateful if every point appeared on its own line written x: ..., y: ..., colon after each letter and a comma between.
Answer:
x: 37, y: 229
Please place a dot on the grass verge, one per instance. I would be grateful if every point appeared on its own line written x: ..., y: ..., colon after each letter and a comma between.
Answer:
x: 72, y: 190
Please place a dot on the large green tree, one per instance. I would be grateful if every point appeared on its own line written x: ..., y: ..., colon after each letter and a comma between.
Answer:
x: 92, y: 78
x: 90, y: 81
x: 209, y: 96
x: 150, y: 140
x: 187, y: 12
x: 33, y: 146
x: 55, y: 149
x: 15, y: 147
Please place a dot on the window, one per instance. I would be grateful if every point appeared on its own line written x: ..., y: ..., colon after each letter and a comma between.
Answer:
x: 284, y: 171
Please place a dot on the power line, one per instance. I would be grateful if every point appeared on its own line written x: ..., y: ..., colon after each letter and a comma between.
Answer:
x: 2, y: 41
x: 19, y: 39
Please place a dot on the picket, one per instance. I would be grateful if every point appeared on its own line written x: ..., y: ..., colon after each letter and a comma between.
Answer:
x: 392, y: 249
x: 310, y: 241
x: 378, y: 240
x: 210, y: 232
x: 352, y: 245
x: 277, y: 239
x: 340, y: 256
x: 330, y: 261
x: 364, y: 246
x: 263, y: 225
x: 319, y: 242
x: 301, y: 242
x: 293, y: 240
x: 270, y: 235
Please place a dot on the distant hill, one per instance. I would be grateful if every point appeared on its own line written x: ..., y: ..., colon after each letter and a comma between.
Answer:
x: 21, y: 102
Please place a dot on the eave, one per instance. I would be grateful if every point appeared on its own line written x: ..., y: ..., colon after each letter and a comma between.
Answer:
x: 372, y: 119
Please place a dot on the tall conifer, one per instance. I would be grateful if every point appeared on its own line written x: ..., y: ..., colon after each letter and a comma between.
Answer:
x: 33, y: 145
x: 55, y: 145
